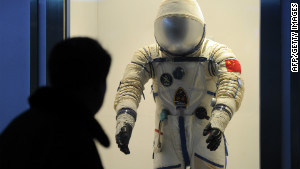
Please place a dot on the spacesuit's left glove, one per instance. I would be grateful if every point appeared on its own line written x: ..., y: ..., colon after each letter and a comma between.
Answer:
x: 221, y: 116
x: 126, y: 118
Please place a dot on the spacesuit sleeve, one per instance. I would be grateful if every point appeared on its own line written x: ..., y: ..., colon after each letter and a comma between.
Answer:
x: 136, y: 75
x: 230, y: 85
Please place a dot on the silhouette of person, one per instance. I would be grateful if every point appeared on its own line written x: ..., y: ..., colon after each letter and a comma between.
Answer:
x: 59, y: 129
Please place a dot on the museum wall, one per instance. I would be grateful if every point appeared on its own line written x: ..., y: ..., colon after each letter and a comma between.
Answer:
x: 122, y: 27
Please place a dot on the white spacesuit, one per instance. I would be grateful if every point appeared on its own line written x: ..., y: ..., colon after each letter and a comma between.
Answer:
x: 197, y: 88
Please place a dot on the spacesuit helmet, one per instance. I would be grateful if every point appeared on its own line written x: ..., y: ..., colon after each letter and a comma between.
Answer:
x: 179, y: 28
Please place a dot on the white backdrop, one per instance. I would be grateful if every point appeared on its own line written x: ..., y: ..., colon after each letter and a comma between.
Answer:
x: 124, y: 26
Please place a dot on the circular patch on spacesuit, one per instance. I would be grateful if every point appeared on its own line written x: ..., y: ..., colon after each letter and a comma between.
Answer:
x: 166, y: 79
x: 178, y: 73
x: 201, y: 113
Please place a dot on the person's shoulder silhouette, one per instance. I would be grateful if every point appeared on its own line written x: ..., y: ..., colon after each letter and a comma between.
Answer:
x: 59, y: 129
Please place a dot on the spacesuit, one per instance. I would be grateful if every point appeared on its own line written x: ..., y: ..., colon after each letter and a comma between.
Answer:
x: 197, y: 88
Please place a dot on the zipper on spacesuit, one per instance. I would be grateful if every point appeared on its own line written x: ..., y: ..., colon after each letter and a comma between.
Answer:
x: 183, y: 141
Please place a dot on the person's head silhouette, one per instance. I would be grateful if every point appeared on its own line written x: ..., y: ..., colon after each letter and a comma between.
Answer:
x: 80, y: 67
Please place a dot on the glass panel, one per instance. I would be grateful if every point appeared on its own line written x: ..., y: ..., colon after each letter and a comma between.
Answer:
x: 123, y: 27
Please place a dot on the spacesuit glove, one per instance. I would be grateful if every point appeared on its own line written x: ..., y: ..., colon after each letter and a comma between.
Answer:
x: 123, y: 137
x: 214, y: 138
x: 216, y: 127
x: 125, y: 122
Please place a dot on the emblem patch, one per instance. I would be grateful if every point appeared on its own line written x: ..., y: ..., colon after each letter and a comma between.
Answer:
x: 178, y: 73
x: 180, y: 98
x: 166, y: 79
x: 233, y: 65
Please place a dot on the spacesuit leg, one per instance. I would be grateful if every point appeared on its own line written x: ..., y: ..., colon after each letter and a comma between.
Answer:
x: 203, y: 158
x: 170, y: 156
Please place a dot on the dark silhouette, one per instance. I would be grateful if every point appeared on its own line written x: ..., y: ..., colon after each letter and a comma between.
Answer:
x: 59, y: 128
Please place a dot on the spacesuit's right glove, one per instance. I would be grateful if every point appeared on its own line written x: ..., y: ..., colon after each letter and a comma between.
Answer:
x: 126, y: 118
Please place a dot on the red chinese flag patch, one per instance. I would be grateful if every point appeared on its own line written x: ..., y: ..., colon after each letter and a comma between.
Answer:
x: 233, y: 65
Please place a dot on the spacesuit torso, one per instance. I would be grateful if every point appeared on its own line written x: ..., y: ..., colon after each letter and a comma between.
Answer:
x: 179, y: 86
x: 182, y: 86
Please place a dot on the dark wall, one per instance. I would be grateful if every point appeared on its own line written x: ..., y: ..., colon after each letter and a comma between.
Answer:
x: 28, y: 31
x: 14, y: 58
x: 279, y: 90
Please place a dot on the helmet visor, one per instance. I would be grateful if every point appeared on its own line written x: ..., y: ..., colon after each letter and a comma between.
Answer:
x: 178, y: 34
